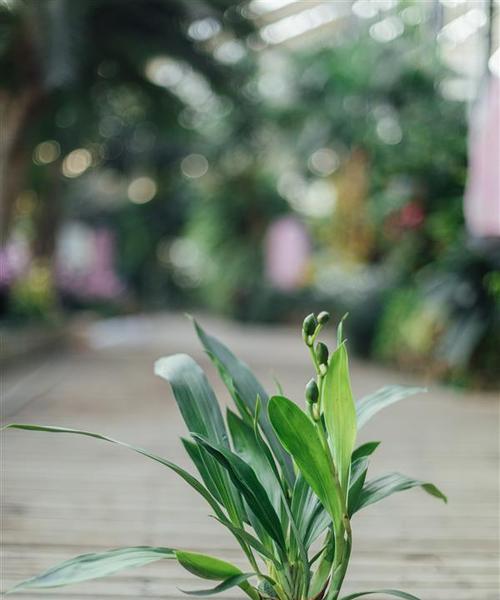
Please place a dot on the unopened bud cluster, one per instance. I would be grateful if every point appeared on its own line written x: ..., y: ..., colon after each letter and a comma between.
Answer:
x: 310, y: 329
x: 312, y: 324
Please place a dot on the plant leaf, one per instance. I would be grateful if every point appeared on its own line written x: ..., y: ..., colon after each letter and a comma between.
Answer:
x: 92, y: 566
x: 319, y: 522
x: 248, y: 538
x: 209, y: 567
x: 308, y: 512
x: 359, y: 470
x: 227, y: 584
x: 201, y: 413
x: 322, y: 572
x: 188, y: 478
x: 395, y: 593
x: 205, y: 566
x: 378, y: 489
x: 370, y: 405
x: 245, y: 480
x: 340, y: 413
x: 298, y: 435
x: 195, y: 398
x: 199, y: 458
x: 364, y: 450
x: 247, y: 447
x: 340, y: 330
x: 248, y: 389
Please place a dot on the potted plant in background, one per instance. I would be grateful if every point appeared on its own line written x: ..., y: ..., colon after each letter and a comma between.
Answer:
x: 285, y: 481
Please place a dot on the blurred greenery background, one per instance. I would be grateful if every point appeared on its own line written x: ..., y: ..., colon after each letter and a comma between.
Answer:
x: 259, y: 159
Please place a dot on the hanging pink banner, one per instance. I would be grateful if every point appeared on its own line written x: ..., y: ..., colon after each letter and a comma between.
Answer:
x: 482, y: 197
x: 287, y: 251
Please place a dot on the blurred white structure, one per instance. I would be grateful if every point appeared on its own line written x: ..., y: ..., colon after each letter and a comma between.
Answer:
x: 467, y: 31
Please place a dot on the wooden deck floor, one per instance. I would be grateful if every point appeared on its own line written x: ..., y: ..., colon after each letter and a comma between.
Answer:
x: 64, y: 496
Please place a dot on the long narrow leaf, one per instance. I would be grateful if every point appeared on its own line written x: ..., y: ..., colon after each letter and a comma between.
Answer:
x: 318, y: 524
x: 298, y: 435
x: 248, y: 389
x: 364, y: 450
x: 395, y: 593
x: 304, y: 503
x: 321, y: 576
x: 359, y: 470
x: 248, y: 538
x: 92, y: 566
x: 227, y: 584
x: 308, y: 512
x: 370, y: 405
x: 378, y: 489
x: 188, y: 478
x: 340, y: 413
x: 209, y: 567
x: 206, y: 566
x: 194, y: 395
x: 245, y: 480
x: 247, y: 447
x: 201, y: 413
x: 196, y: 455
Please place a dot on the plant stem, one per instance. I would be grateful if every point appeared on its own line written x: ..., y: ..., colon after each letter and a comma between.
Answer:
x: 340, y: 572
x: 341, y: 531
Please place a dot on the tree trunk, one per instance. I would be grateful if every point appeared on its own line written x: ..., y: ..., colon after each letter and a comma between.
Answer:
x: 48, y: 215
x: 17, y: 113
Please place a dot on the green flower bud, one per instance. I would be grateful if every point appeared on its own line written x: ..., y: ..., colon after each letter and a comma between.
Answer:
x: 309, y: 327
x: 323, y: 317
x: 312, y: 392
x: 322, y: 353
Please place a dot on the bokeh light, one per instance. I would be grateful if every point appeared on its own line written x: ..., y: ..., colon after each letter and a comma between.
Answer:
x: 46, y: 152
x: 194, y: 166
x: 76, y: 162
x: 142, y: 190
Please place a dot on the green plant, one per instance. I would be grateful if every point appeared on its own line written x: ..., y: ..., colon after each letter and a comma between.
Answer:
x: 284, y: 481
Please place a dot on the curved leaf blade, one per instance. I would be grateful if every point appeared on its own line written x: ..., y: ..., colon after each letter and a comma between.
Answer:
x: 199, y: 459
x: 298, y: 435
x: 368, y: 406
x: 364, y: 450
x: 206, y: 566
x: 227, y: 584
x: 209, y: 567
x: 94, y: 565
x: 188, y: 478
x: 194, y: 396
x: 248, y: 538
x: 248, y: 388
x: 340, y: 413
x: 382, y: 487
x: 359, y: 470
x: 245, y: 480
x: 396, y: 593
x: 201, y: 413
x: 308, y: 512
x: 246, y: 445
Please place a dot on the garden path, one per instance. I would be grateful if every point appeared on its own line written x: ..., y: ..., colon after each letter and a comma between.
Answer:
x: 64, y: 495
